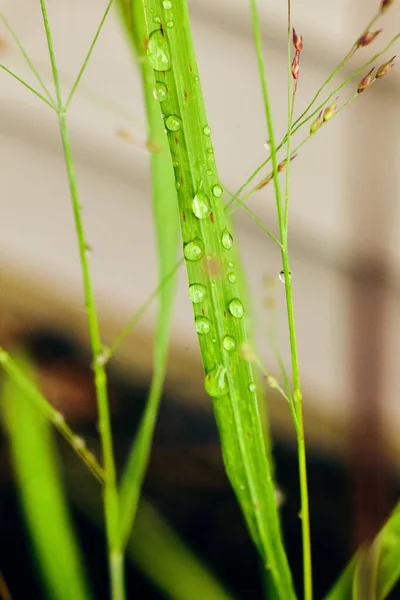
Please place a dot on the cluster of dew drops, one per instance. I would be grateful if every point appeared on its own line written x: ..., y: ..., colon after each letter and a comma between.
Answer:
x: 160, y: 59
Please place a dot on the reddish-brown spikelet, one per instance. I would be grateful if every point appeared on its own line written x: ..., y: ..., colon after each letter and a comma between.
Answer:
x: 366, y: 81
x: 385, y: 68
x: 297, y: 41
x: 385, y: 4
x: 296, y: 66
x: 368, y: 38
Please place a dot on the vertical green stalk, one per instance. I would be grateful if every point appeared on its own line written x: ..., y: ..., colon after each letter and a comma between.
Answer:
x: 283, y: 230
x: 214, y: 288
x: 111, y: 502
x: 167, y: 233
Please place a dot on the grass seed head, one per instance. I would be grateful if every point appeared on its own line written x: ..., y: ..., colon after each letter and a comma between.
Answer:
x: 297, y: 41
x: 385, y: 68
x: 366, y: 81
x: 367, y: 38
x: 385, y: 4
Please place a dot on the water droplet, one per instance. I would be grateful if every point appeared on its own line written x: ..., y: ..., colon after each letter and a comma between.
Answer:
x: 210, y: 150
x: 177, y: 184
x: 252, y: 387
x: 197, y: 292
x: 207, y: 130
x: 226, y: 239
x: 209, y: 172
x: 203, y: 325
x: 170, y: 24
x: 194, y: 250
x: 197, y: 78
x: 158, y: 52
x: 217, y: 191
x: 160, y: 92
x: 88, y: 250
x: 216, y: 382
x: 232, y: 277
x: 173, y: 123
x: 167, y: 4
x: 282, y: 275
x: 201, y: 205
x: 175, y: 164
x: 230, y: 264
x: 229, y: 343
x: 156, y: 19
x: 236, y: 308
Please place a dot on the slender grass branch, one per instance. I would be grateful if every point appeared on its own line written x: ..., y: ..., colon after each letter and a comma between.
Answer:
x: 111, y: 501
x: 28, y: 60
x: 29, y: 87
x: 127, y: 329
x: 54, y: 416
x: 305, y: 518
x: 300, y: 123
x: 339, y: 67
x: 88, y: 55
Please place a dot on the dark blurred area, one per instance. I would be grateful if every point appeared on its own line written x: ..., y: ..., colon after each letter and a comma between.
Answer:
x: 187, y: 483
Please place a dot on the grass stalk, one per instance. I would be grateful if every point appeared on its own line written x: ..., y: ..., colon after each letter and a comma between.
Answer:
x: 282, y: 221
x: 166, y: 221
x: 111, y: 500
x: 218, y: 309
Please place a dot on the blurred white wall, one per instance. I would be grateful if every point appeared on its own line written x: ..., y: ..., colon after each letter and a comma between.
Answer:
x: 358, y: 152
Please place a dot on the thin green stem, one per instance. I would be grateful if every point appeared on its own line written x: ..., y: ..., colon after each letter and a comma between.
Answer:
x: 28, y: 60
x: 306, y: 538
x: 30, y: 88
x: 111, y: 501
x: 140, y: 312
x: 88, y: 55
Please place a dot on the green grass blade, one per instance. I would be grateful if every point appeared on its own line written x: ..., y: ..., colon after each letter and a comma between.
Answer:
x: 167, y: 233
x: 218, y: 309
x: 158, y: 551
x: 42, y: 495
x: 386, y: 549
x: 164, y: 558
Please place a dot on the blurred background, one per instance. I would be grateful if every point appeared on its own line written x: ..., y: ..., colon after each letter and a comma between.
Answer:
x: 345, y: 252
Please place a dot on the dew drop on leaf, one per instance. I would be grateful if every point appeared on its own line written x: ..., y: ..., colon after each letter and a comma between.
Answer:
x: 216, y: 383
x: 282, y: 276
x: 194, y: 250
x: 201, y: 205
x: 207, y: 130
x: 197, y: 292
x: 160, y: 92
x: 203, y: 325
x: 252, y: 387
x: 170, y: 24
x: 217, y: 191
x: 232, y: 277
x: 173, y: 122
x: 158, y: 52
x: 167, y: 4
x: 229, y: 343
x: 226, y: 239
x: 236, y: 308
